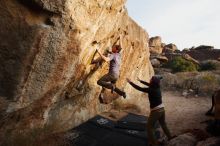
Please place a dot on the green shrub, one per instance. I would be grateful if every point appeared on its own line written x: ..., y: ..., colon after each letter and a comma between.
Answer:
x: 209, y: 78
x: 208, y: 65
x: 178, y: 64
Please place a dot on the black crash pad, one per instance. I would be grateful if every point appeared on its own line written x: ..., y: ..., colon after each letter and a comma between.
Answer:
x: 132, y: 122
x: 135, y: 125
x: 100, y: 131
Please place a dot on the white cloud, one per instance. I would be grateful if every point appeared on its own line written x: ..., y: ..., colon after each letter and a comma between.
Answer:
x: 186, y: 23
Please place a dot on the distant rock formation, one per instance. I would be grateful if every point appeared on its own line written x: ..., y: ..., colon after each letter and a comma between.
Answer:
x: 196, y: 55
x: 170, y: 48
x: 155, y: 44
x: 204, y: 47
x: 202, y: 53
x: 158, y: 49
x: 46, y: 49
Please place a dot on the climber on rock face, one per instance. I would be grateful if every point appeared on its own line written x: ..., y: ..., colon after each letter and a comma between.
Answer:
x: 114, y: 59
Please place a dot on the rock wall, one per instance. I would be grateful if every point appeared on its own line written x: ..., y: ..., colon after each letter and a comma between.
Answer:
x: 45, y: 52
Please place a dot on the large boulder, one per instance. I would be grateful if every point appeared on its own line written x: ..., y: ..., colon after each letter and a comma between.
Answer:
x: 155, y: 44
x: 155, y: 62
x: 189, y: 58
x: 186, y: 139
x: 170, y: 48
x: 162, y: 58
x: 213, y: 141
x: 46, y: 49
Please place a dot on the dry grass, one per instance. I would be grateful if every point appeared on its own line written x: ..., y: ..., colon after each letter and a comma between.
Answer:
x: 203, y: 83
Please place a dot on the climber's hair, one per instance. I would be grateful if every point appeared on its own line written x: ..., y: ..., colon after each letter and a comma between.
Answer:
x: 118, y: 48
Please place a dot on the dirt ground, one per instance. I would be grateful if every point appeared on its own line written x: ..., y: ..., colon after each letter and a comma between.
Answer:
x: 185, y: 113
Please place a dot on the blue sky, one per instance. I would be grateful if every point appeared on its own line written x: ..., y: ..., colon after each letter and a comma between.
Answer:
x: 185, y: 23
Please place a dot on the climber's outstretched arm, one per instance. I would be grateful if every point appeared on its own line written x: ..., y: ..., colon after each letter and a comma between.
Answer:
x: 107, y: 59
x: 137, y: 87
x: 143, y: 82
